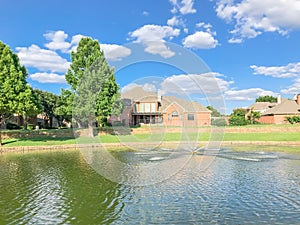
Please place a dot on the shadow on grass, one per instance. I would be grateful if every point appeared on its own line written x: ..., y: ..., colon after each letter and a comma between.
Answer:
x: 36, y: 141
x: 5, y: 142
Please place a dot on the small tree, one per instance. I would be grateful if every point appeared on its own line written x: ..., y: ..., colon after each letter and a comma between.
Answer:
x: 237, y: 118
x: 214, y: 112
x: 49, y: 102
x: 253, y: 116
x: 29, y: 105
x: 63, y: 111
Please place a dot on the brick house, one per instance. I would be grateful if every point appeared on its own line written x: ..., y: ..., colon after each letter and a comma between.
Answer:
x: 276, y: 113
x: 142, y: 107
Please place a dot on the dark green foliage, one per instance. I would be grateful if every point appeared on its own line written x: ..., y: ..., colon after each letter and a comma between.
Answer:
x: 16, y: 96
x: 63, y: 110
x: 214, y: 112
x: 12, y: 126
x: 266, y: 98
x: 293, y: 119
x: 253, y: 116
x: 94, y: 90
x: 237, y: 118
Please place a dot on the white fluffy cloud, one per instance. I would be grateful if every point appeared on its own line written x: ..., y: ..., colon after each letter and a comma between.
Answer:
x: 183, y: 6
x: 146, y: 87
x: 115, y: 52
x: 42, y: 59
x: 293, y: 89
x: 174, y: 21
x: 246, y: 94
x: 200, y: 40
x: 207, y: 83
x: 253, y: 17
x: 153, y: 37
x: 48, y: 78
x: 288, y: 71
x: 57, y: 41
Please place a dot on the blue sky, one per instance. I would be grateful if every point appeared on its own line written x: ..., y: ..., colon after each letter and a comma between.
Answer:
x: 251, y: 47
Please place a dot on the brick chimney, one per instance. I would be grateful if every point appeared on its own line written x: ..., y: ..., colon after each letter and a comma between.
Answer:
x: 298, y: 99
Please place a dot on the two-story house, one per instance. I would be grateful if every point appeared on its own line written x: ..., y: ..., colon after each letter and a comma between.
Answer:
x: 142, y: 107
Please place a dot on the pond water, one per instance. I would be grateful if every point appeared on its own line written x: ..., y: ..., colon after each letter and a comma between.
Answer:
x: 237, y: 188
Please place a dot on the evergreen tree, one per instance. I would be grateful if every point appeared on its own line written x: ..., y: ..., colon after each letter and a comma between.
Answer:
x: 93, y: 84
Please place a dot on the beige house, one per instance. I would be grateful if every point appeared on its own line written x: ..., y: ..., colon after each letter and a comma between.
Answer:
x: 142, y: 107
x: 276, y: 113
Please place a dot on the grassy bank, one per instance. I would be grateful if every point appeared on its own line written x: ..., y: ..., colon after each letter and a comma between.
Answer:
x: 169, y: 137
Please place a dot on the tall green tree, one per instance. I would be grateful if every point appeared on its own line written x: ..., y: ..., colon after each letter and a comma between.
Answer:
x: 93, y: 85
x: 267, y: 98
x: 16, y: 95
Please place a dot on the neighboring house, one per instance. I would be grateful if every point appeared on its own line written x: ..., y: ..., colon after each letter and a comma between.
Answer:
x: 276, y: 113
x: 142, y: 107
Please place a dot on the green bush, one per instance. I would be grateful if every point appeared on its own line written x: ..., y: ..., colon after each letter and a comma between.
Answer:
x: 293, y: 119
x: 12, y: 126
x: 235, y: 120
x: 219, y: 122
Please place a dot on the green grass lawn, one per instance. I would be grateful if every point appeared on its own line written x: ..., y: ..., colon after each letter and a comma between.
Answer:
x: 275, y: 136
x: 38, y: 141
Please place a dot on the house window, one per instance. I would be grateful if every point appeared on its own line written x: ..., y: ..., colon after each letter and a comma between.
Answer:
x: 190, y: 117
x: 169, y: 118
x: 141, y: 107
x: 174, y: 114
x: 153, y: 107
x: 147, y: 107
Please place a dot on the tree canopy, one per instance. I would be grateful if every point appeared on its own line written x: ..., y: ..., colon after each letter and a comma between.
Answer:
x: 238, y: 117
x: 16, y: 96
x: 214, y: 112
x: 93, y: 85
x: 267, y: 98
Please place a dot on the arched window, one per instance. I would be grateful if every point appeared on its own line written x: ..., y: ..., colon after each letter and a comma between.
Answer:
x: 174, y: 114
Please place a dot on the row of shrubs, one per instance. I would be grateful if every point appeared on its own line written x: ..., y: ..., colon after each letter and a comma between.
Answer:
x: 293, y: 119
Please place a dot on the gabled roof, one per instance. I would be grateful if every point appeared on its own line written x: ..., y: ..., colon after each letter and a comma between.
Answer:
x: 138, y: 94
x: 189, y: 106
x: 287, y: 107
x: 262, y: 106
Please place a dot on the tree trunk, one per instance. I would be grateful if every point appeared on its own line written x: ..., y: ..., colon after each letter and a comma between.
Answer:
x: 1, y: 122
x: 51, y: 121
x: 25, y: 122
x: 1, y: 133
x: 91, y: 127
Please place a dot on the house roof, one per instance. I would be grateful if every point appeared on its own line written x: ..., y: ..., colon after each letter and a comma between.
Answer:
x: 138, y: 94
x: 262, y: 106
x: 285, y: 108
